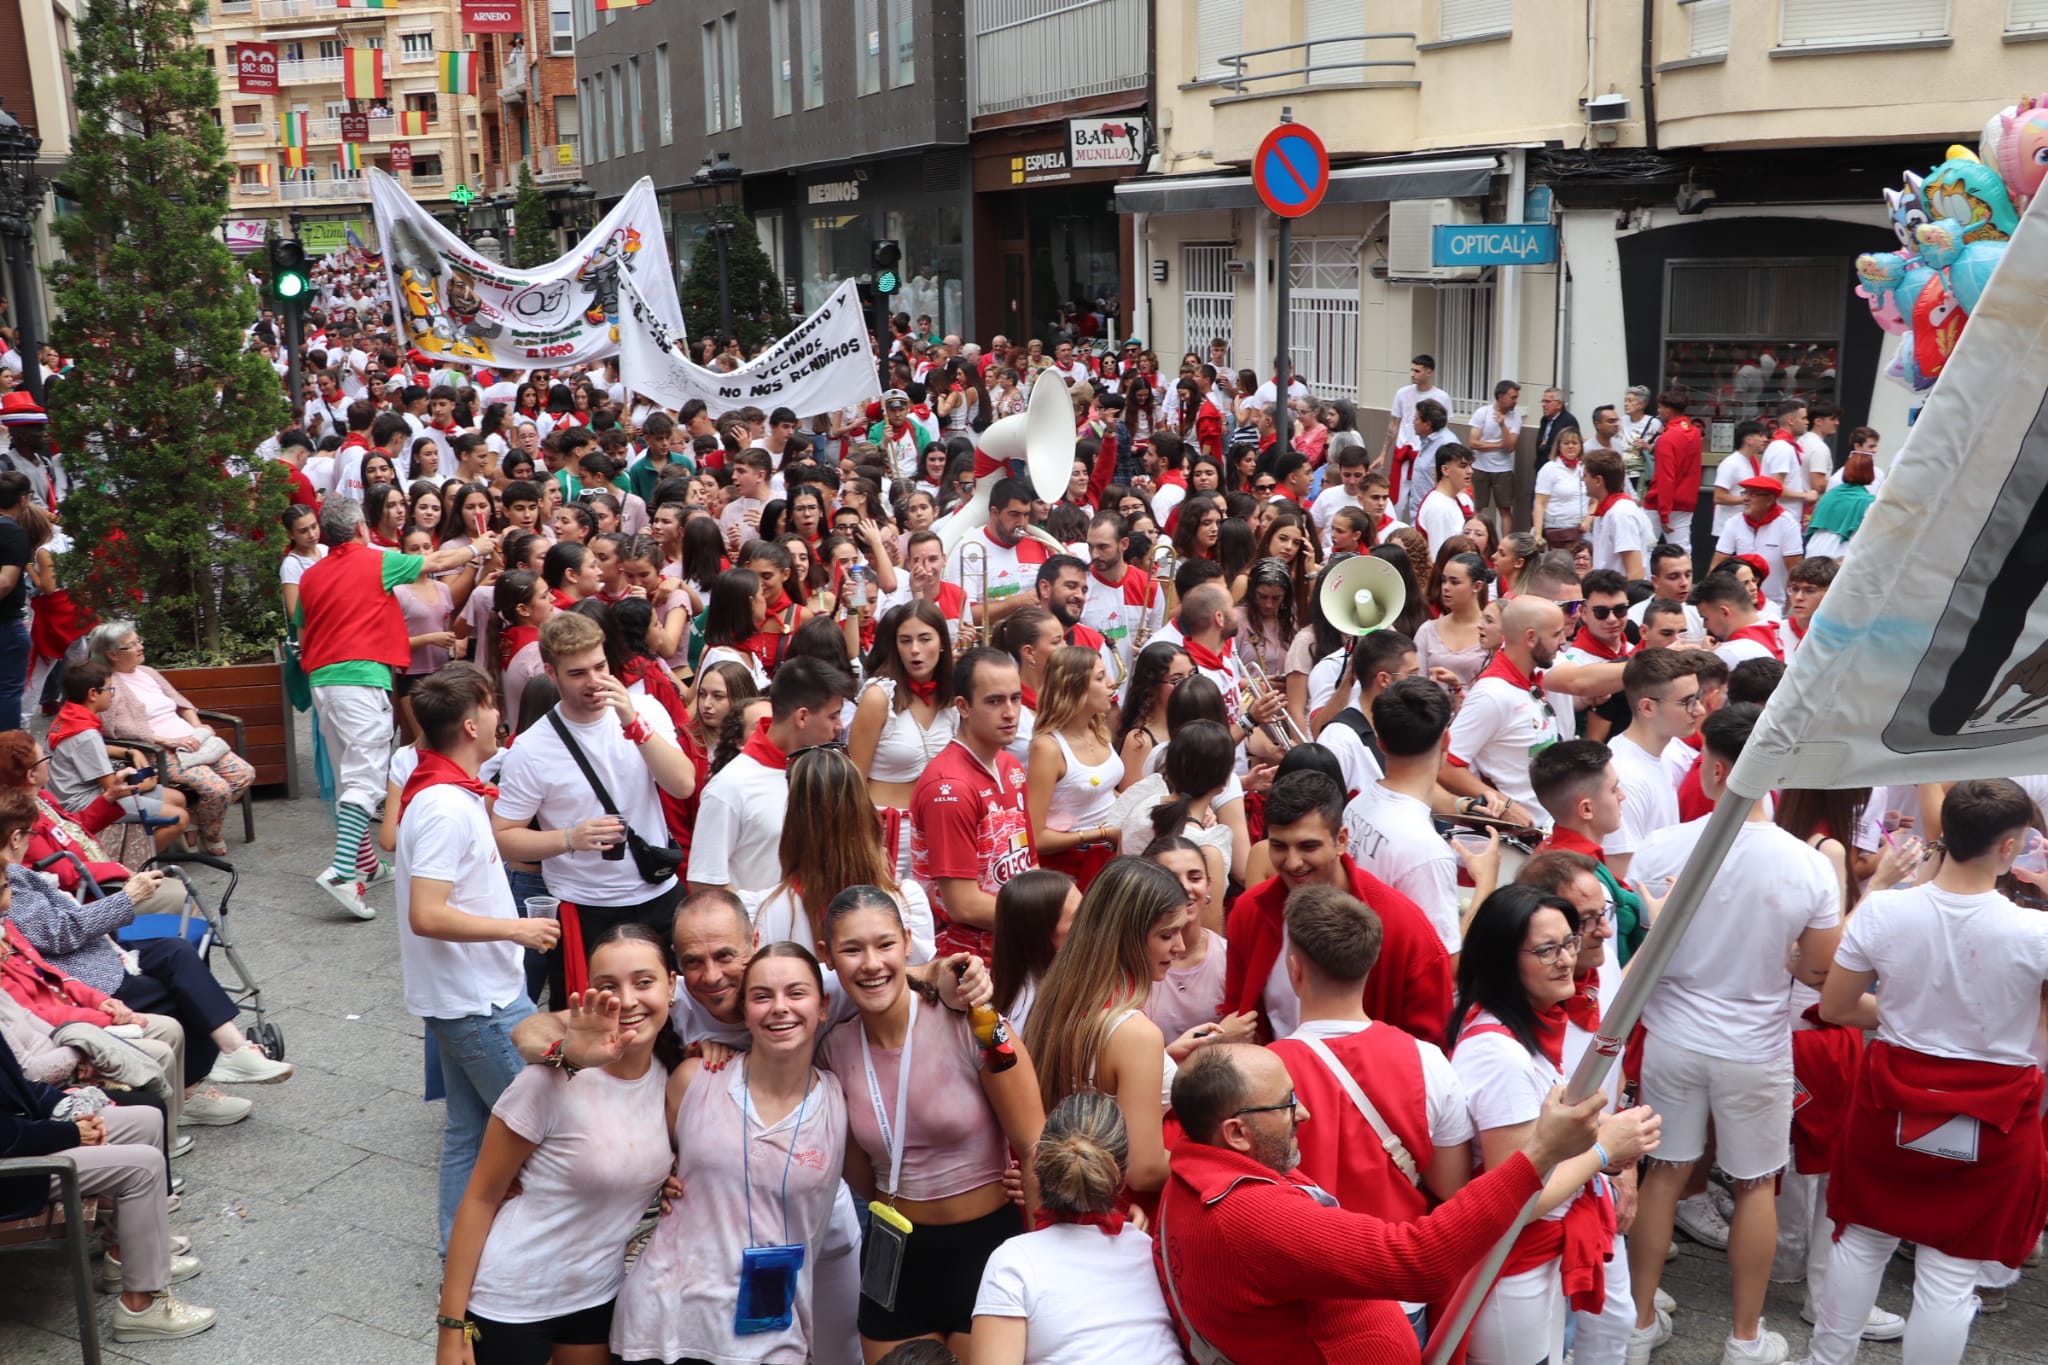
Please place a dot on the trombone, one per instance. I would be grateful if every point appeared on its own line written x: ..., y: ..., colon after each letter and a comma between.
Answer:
x: 1283, y: 730
x: 974, y: 582
x: 1163, y: 563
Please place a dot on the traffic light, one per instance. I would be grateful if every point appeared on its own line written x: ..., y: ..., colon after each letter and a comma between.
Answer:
x: 888, y: 256
x: 289, y: 280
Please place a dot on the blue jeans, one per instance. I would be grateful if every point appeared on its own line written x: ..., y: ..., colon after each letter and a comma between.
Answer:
x: 526, y: 884
x: 14, y: 654
x: 477, y: 1062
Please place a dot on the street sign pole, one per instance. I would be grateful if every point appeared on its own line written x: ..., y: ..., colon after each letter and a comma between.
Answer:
x: 1291, y: 172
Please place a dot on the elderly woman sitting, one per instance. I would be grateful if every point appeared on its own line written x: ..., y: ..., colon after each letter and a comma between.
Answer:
x: 169, y: 978
x: 146, y: 707
x: 24, y: 767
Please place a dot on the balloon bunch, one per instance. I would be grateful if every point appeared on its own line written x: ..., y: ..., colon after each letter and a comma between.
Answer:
x: 1952, y: 225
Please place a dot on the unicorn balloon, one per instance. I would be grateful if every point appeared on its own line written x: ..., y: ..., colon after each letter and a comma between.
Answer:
x: 2015, y: 145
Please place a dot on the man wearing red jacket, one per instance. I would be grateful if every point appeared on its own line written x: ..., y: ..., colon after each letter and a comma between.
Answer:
x: 1410, y: 985
x: 1675, y: 488
x: 1259, y: 1265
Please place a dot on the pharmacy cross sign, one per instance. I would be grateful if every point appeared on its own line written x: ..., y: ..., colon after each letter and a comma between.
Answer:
x: 463, y: 195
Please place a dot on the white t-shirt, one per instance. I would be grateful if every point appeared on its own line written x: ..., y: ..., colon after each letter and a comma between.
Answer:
x: 1405, y: 399
x: 1491, y: 424
x: 1776, y: 540
x: 1957, y: 976
x: 1649, y: 802
x: 1441, y: 516
x: 738, y: 838
x: 1169, y: 496
x: 1450, y: 1118
x: 1565, y: 485
x: 1618, y: 533
x: 1390, y: 835
x: 541, y: 779
x: 445, y: 836
x: 1786, y: 462
x: 1263, y: 396
x: 1727, y: 994
x: 1361, y: 769
x: 1084, y: 1296
x: 1012, y: 569
x: 1729, y: 475
x: 604, y: 1151
x: 1283, y: 1006
x: 1505, y: 1086
x: 1334, y: 498
x: 1500, y: 726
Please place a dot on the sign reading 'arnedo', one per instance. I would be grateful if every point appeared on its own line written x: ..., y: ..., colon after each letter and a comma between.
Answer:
x: 492, y: 16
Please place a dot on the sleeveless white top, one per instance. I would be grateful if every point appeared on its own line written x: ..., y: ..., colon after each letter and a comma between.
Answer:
x: 1084, y: 794
x: 1165, y: 1076
x: 905, y: 747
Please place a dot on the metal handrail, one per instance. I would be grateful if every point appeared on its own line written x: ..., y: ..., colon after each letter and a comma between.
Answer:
x: 1238, y: 78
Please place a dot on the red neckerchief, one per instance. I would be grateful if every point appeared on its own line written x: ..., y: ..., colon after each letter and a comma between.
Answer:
x: 444, y: 427
x: 1764, y: 634
x: 1550, y: 1033
x: 1503, y: 667
x: 1380, y: 528
x: 1583, y: 1008
x: 926, y: 692
x: 438, y: 770
x: 1798, y: 631
x: 1787, y: 437
x: 1108, y: 583
x: 1696, y: 741
x: 1608, y: 502
x: 1776, y: 512
x: 1565, y: 840
x: 376, y: 539
x: 73, y: 718
x: 762, y: 749
x: 780, y: 604
x: 1591, y: 643
x: 1204, y: 656
x: 563, y: 602
x: 898, y: 430
x: 1030, y: 697
x: 1173, y: 478
x: 1110, y: 1223
x: 512, y: 640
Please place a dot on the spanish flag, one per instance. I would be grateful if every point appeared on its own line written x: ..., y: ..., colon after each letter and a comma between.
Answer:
x: 295, y: 158
x: 621, y: 4
x: 263, y: 174
x: 458, y: 72
x: 351, y: 157
x: 362, y: 73
x: 412, y: 123
x: 292, y: 125
x: 366, y: 4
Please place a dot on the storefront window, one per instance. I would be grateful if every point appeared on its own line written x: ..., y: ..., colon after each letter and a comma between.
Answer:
x: 1075, y: 261
x: 1740, y: 337
x: 837, y: 246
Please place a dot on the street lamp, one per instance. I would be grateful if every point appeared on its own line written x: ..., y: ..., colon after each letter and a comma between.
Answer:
x: 719, y: 176
x: 21, y: 197
x: 582, y: 199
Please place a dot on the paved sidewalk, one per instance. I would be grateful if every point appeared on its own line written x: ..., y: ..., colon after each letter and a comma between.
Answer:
x: 315, y: 1217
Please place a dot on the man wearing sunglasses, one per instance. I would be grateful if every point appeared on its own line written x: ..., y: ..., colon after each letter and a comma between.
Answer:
x: 1601, y: 638
x: 1258, y: 1263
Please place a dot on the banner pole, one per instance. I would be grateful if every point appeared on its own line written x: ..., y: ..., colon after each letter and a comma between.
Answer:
x: 1616, y: 1023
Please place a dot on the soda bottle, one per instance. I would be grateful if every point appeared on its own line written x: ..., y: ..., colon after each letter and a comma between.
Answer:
x: 992, y: 1031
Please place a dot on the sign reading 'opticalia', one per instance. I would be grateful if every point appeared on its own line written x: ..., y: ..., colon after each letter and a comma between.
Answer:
x: 1111, y: 140
x: 492, y: 16
x: 1494, y: 244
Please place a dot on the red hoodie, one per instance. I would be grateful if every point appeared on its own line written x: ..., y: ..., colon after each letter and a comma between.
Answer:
x: 1676, y: 484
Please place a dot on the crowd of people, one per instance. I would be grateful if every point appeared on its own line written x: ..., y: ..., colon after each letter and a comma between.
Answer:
x: 1110, y: 955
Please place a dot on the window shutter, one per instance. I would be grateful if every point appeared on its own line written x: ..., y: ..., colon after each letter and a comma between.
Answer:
x: 1471, y: 18
x: 1709, y: 28
x: 1825, y: 23
x: 1219, y: 33
x: 2027, y: 16
x: 1333, y: 19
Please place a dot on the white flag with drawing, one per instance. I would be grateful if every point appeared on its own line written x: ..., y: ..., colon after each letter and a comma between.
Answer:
x: 1928, y: 659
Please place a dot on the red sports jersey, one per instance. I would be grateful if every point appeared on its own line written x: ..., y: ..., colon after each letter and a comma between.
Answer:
x: 968, y: 822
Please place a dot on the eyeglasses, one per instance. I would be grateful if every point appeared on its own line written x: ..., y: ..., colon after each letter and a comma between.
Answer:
x: 1264, y: 486
x: 1607, y: 613
x: 1546, y: 953
x: 1570, y: 608
x: 128, y: 648
x: 1287, y: 1104
x: 1691, y: 703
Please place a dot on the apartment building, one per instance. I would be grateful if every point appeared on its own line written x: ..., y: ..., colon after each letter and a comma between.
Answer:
x: 311, y: 37
x: 36, y: 41
x: 530, y: 113
x: 1697, y: 176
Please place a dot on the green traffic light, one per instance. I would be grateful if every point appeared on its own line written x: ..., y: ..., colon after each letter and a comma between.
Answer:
x: 290, y: 286
x: 887, y: 282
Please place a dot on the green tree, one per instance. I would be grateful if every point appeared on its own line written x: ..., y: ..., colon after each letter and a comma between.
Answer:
x: 532, y: 244
x: 759, y: 310
x: 163, y: 410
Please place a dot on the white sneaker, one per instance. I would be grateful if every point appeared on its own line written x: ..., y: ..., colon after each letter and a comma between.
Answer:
x: 1769, y: 1348
x: 383, y: 874
x: 1665, y: 1303
x: 207, y: 1107
x: 164, y: 1319
x: 347, y: 892
x: 1701, y: 1221
x: 1643, y: 1340
x: 183, y: 1267
x: 181, y: 1145
x: 1879, y: 1326
x: 247, y: 1066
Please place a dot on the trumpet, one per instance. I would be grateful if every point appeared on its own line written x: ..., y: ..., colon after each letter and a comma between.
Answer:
x: 1283, y: 730
x: 1163, y: 563
x: 974, y: 582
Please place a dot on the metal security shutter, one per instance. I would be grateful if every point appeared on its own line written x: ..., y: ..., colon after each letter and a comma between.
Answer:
x: 1470, y: 18
x: 1827, y: 23
x: 1219, y: 33
x: 2027, y: 16
x: 1323, y: 19
x: 1709, y: 28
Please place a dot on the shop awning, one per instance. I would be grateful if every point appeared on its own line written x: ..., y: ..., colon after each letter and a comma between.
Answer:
x: 1467, y: 177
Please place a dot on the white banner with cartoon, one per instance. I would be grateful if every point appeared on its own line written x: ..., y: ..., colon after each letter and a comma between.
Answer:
x: 824, y: 365
x: 462, y: 308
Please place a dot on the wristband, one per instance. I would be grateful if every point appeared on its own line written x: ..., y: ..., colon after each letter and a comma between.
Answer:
x: 552, y: 1057
x: 1598, y: 1150
x: 568, y: 842
x: 639, y: 732
x: 463, y: 1325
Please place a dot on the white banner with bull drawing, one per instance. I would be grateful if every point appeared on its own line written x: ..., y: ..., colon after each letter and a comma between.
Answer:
x: 462, y: 308
x: 822, y: 366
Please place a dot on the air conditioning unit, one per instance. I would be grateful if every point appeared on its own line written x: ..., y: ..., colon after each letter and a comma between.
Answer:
x: 1409, y: 225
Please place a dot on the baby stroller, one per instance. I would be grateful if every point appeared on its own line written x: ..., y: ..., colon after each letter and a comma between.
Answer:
x: 204, y: 927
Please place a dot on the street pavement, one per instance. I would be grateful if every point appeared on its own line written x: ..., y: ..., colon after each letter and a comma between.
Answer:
x: 315, y: 1218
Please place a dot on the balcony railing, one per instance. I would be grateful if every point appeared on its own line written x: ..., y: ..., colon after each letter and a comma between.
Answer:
x: 252, y: 187
x: 322, y: 9
x: 323, y: 189
x: 381, y: 125
x: 253, y: 129
x: 316, y: 71
x: 1316, y: 61
x: 1025, y: 57
x: 234, y: 6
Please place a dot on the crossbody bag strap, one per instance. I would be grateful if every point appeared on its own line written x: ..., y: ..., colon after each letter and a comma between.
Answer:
x: 1200, y: 1347
x: 604, y: 798
x: 1396, y: 1150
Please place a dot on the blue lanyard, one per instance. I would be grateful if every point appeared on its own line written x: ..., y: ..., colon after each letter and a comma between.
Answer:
x: 747, y: 1146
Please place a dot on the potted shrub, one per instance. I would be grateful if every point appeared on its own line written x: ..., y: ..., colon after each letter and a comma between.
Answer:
x: 173, y: 517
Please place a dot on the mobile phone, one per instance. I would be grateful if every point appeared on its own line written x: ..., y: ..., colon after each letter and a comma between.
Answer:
x: 140, y: 775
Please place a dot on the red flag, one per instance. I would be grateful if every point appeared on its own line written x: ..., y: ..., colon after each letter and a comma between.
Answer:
x: 492, y: 16
x: 256, y: 68
x: 401, y: 156
x: 355, y: 127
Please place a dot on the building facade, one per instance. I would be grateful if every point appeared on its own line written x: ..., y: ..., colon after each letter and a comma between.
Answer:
x: 530, y: 113
x: 1709, y: 170
x: 36, y: 42
x: 311, y: 37
x: 847, y: 120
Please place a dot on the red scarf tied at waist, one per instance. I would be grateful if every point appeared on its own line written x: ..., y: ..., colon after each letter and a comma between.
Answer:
x: 763, y: 750
x: 73, y: 718
x: 437, y: 770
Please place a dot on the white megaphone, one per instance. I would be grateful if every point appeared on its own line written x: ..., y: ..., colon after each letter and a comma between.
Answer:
x: 1362, y: 594
x: 1042, y: 436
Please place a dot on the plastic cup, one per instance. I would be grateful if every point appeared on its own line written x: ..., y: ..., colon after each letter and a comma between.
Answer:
x: 1473, y: 844
x: 543, y: 907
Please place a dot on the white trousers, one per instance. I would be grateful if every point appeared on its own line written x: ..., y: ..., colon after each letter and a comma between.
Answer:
x: 356, y: 723
x: 1944, y: 1300
x: 1603, y: 1337
x: 1522, y: 1320
x: 835, y: 1287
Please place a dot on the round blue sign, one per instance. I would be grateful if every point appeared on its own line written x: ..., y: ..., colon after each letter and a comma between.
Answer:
x: 1291, y: 170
